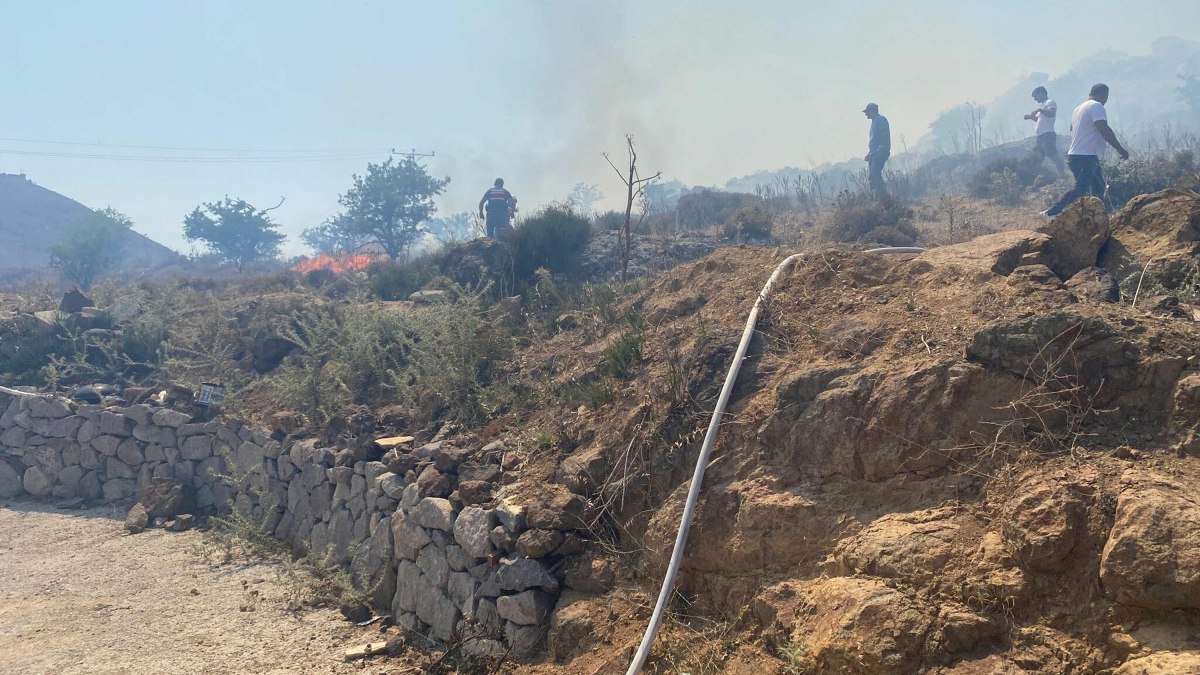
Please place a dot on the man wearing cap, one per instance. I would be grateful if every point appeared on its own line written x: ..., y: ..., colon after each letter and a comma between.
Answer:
x: 501, y: 206
x: 879, y: 148
x: 1090, y: 138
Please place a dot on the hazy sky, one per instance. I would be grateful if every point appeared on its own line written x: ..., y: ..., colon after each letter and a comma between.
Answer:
x: 533, y: 91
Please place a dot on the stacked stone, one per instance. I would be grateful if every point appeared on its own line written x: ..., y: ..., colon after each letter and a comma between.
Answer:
x: 335, y: 507
x: 431, y: 533
x: 62, y: 449
x: 469, y: 570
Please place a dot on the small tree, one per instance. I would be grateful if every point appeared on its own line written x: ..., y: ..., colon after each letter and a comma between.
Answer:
x: 454, y: 227
x: 333, y: 237
x: 390, y: 204
x: 583, y: 197
x: 235, y: 231
x: 635, y: 186
x: 91, y: 247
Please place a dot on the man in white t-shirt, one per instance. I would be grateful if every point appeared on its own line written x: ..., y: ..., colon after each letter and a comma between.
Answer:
x: 1044, y: 115
x: 1090, y: 138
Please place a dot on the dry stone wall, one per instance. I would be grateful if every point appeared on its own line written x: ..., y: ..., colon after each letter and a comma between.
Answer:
x: 430, y: 532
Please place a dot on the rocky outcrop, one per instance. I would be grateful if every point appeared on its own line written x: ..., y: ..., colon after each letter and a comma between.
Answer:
x: 1041, y: 523
x: 1159, y: 232
x: 991, y: 255
x: 1162, y: 663
x: 1076, y: 236
x: 848, y: 625
x: 1152, y: 557
x: 910, y: 546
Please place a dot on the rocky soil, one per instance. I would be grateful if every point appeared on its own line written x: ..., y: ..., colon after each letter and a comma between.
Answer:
x: 982, y: 459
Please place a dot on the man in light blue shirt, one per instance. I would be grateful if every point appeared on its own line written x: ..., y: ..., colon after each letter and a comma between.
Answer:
x: 879, y: 148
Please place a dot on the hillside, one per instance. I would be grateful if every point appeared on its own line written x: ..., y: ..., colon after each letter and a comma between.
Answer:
x: 980, y: 459
x: 33, y: 218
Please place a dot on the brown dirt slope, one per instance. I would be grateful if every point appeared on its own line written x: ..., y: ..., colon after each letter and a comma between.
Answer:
x: 965, y: 461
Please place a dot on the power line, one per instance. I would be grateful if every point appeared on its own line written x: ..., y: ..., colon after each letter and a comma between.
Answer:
x: 195, y: 159
x: 195, y: 149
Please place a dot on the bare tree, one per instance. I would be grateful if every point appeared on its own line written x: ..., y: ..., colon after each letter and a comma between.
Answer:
x: 974, y: 127
x: 635, y: 187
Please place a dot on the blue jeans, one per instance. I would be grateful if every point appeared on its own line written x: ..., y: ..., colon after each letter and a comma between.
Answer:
x: 1089, y: 179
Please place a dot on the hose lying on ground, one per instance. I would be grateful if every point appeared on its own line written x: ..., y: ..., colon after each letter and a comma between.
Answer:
x: 685, y: 523
x: 17, y: 392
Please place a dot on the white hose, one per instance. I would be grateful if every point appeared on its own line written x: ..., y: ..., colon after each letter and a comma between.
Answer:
x: 17, y: 392
x: 685, y: 523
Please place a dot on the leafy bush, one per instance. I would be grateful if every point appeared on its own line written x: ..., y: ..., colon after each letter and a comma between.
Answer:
x: 858, y: 217
x: 698, y: 210
x: 553, y: 238
x: 609, y: 220
x: 397, y: 281
x: 443, y: 361
x: 1005, y: 179
x: 1005, y: 188
x: 750, y: 223
x: 458, y: 356
x: 1143, y: 175
x: 311, y: 382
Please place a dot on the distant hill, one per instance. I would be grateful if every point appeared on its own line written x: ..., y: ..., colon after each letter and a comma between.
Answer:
x: 33, y: 218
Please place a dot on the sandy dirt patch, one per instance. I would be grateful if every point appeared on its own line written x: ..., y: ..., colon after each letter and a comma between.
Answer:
x: 79, y: 595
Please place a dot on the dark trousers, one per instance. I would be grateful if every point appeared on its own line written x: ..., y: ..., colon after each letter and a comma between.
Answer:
x: 1089, y: 179
x: 1047, y: 146
x: 497, y: 225
x: 875, y: 173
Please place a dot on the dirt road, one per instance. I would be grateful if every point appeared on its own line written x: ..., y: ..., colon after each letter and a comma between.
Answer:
x: 79, y: 595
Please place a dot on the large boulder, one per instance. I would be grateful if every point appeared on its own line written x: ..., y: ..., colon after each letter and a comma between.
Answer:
x: 990, y: 255
x: 912, y: 546
x: 1076, y: 236
x: 1066, y: 349
x: 848, y: 624
x: 10, y: 481
x: 1159, y: 231
x: 166, y: 498
x: 1094, y: 284
x: 36, y: 482
x: 1041, y: 523
x: 1162, y: 663
x: 1152, y: 557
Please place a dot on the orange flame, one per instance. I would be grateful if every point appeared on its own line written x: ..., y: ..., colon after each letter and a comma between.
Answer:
x: 337, y: 264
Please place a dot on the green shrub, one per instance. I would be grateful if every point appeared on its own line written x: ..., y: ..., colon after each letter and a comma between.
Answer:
x: 397, y: 281
x: 319, y: 277
x: 553, y: 238
x: 311, y: 382
x: 1005, y: 179
x: 458, y: 359
x: 608, y: 221
x: 1005, y: 188
x: 859, y: 217
x: 622, y: 357
x: 706, y: 208
x: 1143, y: 175
x: 593, y: 392
x: 749, y: 224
